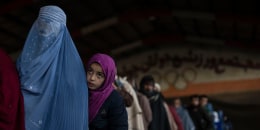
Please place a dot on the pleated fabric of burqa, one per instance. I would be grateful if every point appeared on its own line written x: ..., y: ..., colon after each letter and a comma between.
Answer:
x: 52, y: 75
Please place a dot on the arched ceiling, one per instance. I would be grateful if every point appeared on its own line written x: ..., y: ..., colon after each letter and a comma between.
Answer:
x: 121, y: 27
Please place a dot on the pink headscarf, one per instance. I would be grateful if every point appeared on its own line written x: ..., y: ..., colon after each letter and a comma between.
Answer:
x: 97, y: 97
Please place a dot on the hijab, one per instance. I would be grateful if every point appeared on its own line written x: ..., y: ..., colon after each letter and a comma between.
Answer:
x: 11, y: 99
x: 52, y: 75
x: 97, y: 97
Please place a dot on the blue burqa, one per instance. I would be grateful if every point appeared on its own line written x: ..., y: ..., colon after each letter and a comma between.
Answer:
x: 52, y: 76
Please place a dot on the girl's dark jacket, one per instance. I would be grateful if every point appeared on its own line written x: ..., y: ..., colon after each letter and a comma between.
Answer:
x: 112, y: 115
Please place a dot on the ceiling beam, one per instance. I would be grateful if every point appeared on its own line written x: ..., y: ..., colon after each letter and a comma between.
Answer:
x: 148, y: 14
x: 178, y: 39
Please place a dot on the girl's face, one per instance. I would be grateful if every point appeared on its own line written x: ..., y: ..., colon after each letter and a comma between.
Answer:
x: 95, y: 76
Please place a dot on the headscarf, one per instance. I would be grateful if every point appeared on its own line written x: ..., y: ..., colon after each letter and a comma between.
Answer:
x: 11, y: 99
x: 97, y: 97
x: 52, y: 75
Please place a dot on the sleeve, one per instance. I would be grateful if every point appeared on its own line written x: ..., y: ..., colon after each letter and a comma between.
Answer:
x: 117, y: 115
x: 147, y: 111
x: 10, y: 98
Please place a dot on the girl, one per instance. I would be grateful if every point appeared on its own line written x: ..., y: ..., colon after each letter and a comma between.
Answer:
x: 107, y: 110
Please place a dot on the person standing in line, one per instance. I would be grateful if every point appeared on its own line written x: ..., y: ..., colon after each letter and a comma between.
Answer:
x: 159, y: 115
x: 107, y: 110
x: 144, y: 104
x: 209, y: 110
x: 134, y: 111
x: 52, y: 75
x: 183, y: 113
x: 199, y: 117
x: 11, y: 99
x: 174, y: 124
x: 146, y: 109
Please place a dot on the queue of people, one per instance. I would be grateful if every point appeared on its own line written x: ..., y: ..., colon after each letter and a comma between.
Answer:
x: 172, y: 114
x: 51, y: 89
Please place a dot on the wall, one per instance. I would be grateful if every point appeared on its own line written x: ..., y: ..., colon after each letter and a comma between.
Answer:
x: 183, y: 71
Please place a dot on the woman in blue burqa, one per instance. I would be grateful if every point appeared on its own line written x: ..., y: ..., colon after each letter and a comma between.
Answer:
x: 52, y: 76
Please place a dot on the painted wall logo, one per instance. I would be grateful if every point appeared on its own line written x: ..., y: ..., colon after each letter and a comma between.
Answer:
x: 182, y: 68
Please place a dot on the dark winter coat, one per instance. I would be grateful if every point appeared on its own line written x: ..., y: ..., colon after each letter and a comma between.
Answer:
x: 112, y: 115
